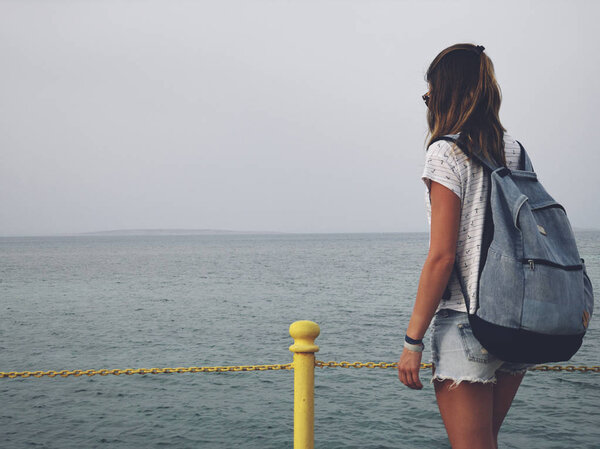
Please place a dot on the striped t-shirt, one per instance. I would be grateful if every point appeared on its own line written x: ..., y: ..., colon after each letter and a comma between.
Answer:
x: 446, y: 164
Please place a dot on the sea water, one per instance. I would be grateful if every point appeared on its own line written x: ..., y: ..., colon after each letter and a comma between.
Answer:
x: 84, y: 302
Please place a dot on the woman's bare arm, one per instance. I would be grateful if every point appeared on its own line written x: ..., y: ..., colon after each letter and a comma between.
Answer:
x: 445, y: 220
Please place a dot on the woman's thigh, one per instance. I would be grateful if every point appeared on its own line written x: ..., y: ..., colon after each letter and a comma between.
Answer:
x: 505, y: 390
x: 464, y: 377
x: 467, y: 412
x: 473, y: 388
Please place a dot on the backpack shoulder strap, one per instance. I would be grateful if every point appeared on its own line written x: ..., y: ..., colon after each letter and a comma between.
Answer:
x: 489, y: 165
x: 524, y: 161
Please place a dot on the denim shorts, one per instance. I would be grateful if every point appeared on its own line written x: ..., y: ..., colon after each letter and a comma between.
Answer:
x: 457, y: 355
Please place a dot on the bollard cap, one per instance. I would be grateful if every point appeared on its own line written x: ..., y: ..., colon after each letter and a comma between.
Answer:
x: 304, y: 333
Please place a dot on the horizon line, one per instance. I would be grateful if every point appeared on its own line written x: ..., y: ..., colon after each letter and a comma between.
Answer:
x: 212, y: 231
x: 192, y: 231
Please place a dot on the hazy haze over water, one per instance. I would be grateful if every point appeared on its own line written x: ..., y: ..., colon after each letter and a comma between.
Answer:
x: 270, y: 115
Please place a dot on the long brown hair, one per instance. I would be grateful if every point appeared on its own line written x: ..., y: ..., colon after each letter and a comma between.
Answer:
x: 465, y: 98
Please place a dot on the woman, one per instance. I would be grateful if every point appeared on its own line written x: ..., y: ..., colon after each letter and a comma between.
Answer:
x: 474, y: 389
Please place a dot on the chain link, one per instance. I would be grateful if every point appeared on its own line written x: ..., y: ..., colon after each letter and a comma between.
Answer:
x: 382, y: 365
x: 129, y: 371
x: 568, y: 368
x: 244, y: 368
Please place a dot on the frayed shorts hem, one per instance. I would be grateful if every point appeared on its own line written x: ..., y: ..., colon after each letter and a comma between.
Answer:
x: 456, y: 381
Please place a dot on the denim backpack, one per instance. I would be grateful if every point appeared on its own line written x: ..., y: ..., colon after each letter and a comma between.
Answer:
x: 535, y: 299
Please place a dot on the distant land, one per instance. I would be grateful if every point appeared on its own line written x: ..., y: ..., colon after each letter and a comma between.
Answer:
x: 175, y: 232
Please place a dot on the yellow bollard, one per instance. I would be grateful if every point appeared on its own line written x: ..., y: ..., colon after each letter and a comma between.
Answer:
x: 304, y: 348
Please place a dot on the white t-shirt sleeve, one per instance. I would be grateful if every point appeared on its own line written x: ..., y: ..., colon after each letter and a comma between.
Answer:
x: 441, y: 166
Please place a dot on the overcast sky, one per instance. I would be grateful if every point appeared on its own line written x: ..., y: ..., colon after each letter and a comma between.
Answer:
x: 279, y: 115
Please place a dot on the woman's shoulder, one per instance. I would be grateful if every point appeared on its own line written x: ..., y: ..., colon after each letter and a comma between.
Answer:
x: 442, y: 142
x: 447, y: 150
x: 509, y: 139
x: 442, y: 148
x: 512, y: 151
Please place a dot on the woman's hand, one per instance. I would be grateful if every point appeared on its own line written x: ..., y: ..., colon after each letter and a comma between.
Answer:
x: 409, y: 367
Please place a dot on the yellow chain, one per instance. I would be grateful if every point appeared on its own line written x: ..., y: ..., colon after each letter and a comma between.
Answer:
x: 129, y: 371
x: 569, y: 368
x: 382, y: 365
x: 241, y: 368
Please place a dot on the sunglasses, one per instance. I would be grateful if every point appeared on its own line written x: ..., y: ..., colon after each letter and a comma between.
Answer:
x: 426, y: 98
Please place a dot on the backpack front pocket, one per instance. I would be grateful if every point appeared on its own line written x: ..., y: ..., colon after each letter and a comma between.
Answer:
x: 553, y: 301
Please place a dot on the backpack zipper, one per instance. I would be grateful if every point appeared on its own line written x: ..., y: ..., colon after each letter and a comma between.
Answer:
x: 532, y: 263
